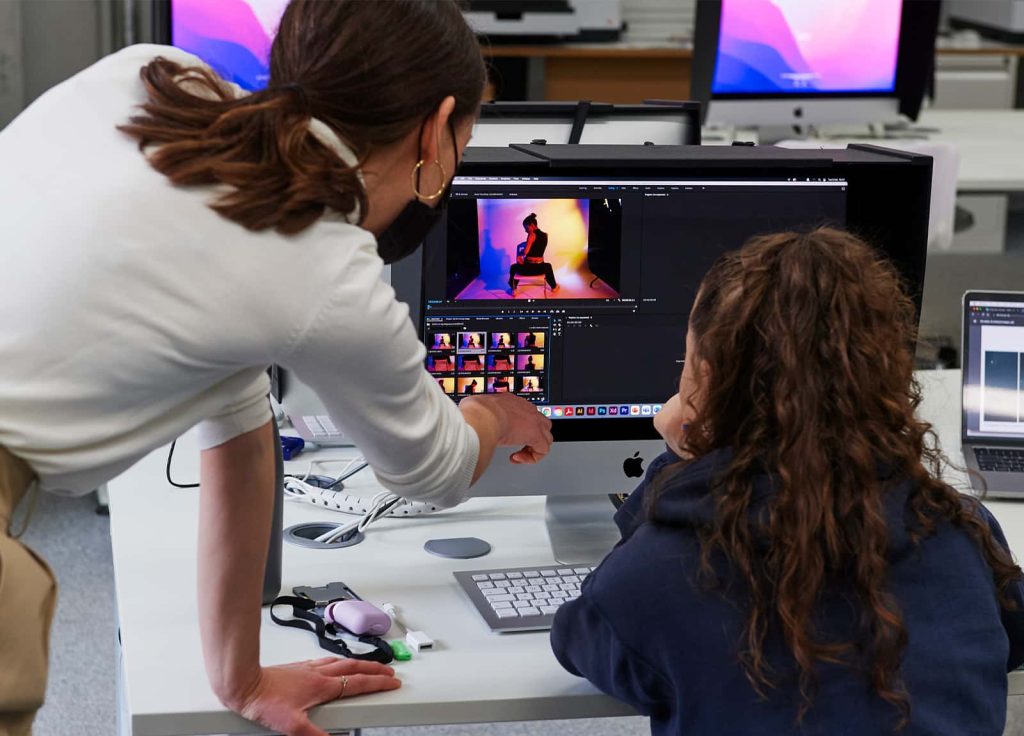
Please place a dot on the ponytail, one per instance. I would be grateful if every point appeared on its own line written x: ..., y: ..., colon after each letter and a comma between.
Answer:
x: 280, y: 175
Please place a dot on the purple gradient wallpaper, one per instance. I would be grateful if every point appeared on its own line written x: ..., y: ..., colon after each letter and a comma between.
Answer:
x: 796, y: 46
x: 232, y: 36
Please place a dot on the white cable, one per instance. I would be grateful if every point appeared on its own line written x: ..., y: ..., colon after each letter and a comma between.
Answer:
x: 387, y: 502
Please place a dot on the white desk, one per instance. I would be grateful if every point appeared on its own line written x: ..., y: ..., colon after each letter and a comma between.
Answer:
x: 990, y: 144
x: 473, y: 676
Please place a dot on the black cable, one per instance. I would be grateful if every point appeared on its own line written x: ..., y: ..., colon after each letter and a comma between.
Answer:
x: 170, y: 480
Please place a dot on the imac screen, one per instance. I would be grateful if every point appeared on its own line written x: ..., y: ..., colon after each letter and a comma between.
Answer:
x: 575, y: 293
x: 787, y: 47
x: 232, y: 36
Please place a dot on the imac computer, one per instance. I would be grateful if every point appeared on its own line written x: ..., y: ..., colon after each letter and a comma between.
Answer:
x: 793, y: 63
x: 594, y: 332
x: 667, y: 122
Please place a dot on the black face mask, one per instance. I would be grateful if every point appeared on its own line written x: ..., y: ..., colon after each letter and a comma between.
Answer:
x: 405, y: 234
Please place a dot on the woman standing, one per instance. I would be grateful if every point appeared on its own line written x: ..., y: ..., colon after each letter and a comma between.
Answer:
x: 166, y: 238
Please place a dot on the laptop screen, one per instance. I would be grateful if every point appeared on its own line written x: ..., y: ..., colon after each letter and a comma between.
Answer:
x: 993, y: 387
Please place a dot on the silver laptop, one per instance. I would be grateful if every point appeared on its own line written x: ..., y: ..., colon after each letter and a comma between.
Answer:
x: 992, y: 422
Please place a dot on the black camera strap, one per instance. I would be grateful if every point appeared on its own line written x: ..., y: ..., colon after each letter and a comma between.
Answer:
x: 308, y: 618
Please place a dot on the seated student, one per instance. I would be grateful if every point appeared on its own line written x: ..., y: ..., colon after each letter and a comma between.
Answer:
x: 794, y: 564
x: 531, y: 262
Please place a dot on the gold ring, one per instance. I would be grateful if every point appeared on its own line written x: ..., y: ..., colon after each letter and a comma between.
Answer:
x: 344, y: 685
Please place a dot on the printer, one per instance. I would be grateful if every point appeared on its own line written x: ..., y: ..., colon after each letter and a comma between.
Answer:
x: 545, y: 21
x: 1001, y: 19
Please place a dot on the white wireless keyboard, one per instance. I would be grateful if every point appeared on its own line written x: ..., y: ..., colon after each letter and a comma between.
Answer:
x: 522, y: 598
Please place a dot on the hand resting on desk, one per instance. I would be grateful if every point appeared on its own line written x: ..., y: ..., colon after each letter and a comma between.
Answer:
x: 280, y: 696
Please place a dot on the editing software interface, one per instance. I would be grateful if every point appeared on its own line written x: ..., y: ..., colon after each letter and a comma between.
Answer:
x: 995, y: 369
x: 575, y: 292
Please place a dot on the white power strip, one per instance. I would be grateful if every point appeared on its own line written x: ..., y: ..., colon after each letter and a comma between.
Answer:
x: 347, y: 503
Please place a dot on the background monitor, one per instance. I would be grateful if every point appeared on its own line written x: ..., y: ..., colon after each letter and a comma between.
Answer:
x: 792, y: 62
x: 232, y: 36
x: 662, y: 122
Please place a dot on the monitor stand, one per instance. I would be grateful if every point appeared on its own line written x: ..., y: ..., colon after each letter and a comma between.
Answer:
x: 581, y: 528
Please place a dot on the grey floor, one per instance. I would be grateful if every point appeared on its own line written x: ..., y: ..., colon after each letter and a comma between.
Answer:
x: 80, y: 699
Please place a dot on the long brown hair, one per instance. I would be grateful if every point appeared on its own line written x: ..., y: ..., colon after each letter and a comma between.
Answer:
x: 804, y: 345
x: 371, y: 71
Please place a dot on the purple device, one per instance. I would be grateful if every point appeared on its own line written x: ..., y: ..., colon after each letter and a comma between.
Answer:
x: 359, y: 617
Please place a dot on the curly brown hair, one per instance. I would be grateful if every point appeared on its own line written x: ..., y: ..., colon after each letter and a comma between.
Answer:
x: 804, y: 345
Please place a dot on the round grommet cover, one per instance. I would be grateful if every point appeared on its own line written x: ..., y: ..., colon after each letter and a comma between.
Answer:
x: 459, y: 548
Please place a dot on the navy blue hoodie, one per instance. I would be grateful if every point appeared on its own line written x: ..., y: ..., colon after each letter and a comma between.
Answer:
x: 644, y: 632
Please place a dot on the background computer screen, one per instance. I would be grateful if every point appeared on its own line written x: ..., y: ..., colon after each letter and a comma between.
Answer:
x: 994, y: 366
x: 232, y: 36
x: 627, y: 256
x: 787, y: 47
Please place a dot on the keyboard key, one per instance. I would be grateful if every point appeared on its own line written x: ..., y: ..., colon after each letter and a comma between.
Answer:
x: 564, y: 571
x: 548, y: 573
x: 571, y: 579
x: 550, y: 588
x: 529, y: 611
x: 520, y: 605
x: 532, y: 589
x: 515, y: 576
x: 497, y: 576
x: 507, y: 613
x: 495, y: 598
x: 548, y: 610
x: 502, y: 584
x: 524, y: 596
x: 501, y: 604
x: 486, y: 586
x: 515, y: 589
x: 566, y: 586
x: 543, y: 595
x: 478, y: 578
x: 582, y: 571
x: 531, y: 574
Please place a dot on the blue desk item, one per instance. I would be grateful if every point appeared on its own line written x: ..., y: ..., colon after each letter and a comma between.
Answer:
x: 291, y: 447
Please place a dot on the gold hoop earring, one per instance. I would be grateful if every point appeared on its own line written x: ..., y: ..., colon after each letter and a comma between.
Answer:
x: 444, y: 176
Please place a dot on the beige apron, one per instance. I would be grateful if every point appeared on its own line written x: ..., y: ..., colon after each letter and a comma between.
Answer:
x: 28, y: 594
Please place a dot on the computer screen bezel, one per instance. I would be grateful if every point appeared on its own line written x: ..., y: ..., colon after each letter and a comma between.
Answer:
x: 593, y: 429
x: 708, y: 27
x: 974, y: 295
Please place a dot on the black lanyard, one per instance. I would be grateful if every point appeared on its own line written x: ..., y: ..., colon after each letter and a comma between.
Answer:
x: 305, y: 618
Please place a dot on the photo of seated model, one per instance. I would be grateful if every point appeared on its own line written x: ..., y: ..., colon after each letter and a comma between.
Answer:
x: 440, y: 364
x: 471, y: 363
x: 530, y: 340
x: 447, y: 385
x: 442, y: 341
x: 499, y: 362
x: 530, y: 362
x: 499, y: 384
x: 530, y: 385
x: 472, y: 342
x: 526, y: 249
x: 530, y: 256
x: 471, y: 384
x: 501, y: 340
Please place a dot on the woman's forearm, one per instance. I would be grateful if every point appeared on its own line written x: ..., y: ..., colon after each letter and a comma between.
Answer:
x: 236, y: 508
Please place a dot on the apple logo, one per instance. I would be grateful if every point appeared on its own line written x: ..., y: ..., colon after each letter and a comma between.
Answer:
x: 633, y: 467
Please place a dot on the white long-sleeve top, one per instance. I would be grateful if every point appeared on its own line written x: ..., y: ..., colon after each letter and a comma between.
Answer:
x: 130, y: 311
